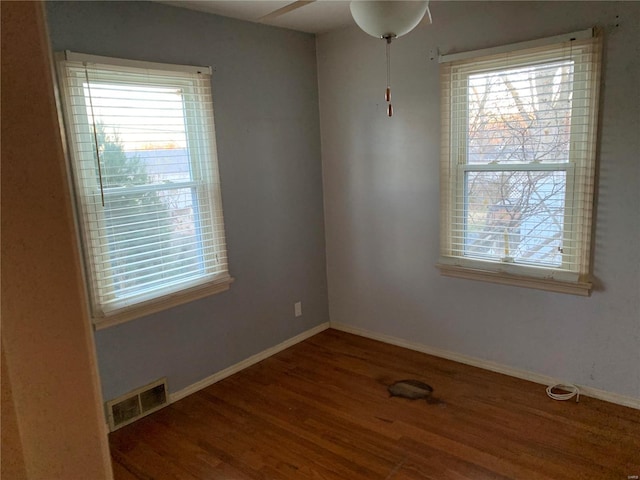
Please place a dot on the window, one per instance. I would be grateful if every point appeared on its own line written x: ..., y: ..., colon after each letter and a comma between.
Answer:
x: 518, y: 163
x: 143, y: 160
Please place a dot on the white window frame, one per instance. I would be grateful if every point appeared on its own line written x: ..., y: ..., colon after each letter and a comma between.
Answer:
x: 105, y: 309
x: 580, y: 169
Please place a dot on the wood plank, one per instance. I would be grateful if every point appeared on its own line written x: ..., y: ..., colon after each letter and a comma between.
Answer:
x: 320, y: 410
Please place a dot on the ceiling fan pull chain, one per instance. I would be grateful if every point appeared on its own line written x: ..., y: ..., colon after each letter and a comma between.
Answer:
x: 388, y: 20
x: 387, y: 94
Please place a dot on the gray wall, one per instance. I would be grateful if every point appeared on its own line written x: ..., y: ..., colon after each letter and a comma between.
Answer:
x: 267, y: 123
x: 381, y: 198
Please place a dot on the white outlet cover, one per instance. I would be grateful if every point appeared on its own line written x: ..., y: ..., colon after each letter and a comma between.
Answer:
x: 297, y: 309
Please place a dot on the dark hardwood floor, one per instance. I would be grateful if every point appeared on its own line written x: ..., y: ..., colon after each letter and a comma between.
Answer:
x: 320, y: 410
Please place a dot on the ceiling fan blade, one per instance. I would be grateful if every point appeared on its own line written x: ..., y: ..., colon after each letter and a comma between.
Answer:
x: 286, y: 9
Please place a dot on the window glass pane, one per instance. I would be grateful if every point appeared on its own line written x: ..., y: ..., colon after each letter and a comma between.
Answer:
x: 152, y: 233
x: 515, y: 216
x: 145, y: 122
x: 520, y: 115
x: 152, y: 238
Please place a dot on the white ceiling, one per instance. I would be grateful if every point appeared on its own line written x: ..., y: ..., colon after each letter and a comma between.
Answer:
x: 315, y: 16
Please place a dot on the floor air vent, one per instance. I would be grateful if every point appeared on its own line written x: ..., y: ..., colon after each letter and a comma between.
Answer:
x: 131, y: 406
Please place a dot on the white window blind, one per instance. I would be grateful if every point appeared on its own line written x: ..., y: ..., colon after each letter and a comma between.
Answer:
x: 142, y: 145
x: 518, y: 164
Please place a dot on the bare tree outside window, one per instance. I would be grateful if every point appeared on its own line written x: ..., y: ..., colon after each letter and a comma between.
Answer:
x: 515, y: 178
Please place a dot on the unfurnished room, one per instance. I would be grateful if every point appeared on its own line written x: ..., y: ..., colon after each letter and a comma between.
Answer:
x: 338, y: 240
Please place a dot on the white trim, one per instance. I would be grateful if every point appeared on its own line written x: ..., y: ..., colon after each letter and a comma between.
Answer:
x: 488, y: 365
x: 247, y: 362
x: 158, y: 304
x: 502, y: 276
x: 517, y: 269
x: 121, y: 62
x: 540, y: 42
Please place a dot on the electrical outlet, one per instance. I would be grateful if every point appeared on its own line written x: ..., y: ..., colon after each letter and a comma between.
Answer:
x: 297, y: 309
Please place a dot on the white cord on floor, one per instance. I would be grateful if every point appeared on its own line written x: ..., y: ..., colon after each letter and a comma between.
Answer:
x: 571, y: 389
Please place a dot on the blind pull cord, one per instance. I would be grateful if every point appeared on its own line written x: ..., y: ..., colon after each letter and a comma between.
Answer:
x: 95, y: 134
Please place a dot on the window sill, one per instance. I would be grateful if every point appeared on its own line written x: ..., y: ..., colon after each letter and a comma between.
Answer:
x: 549, y: 285
x: 162, y: 303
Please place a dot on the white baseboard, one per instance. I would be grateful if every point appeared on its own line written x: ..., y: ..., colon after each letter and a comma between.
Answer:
x: 488, y: 365
x: 456, y: 357
x: 216, y: 377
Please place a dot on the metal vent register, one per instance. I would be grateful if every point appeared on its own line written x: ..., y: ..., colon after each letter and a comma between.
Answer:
x: 131, y: 406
